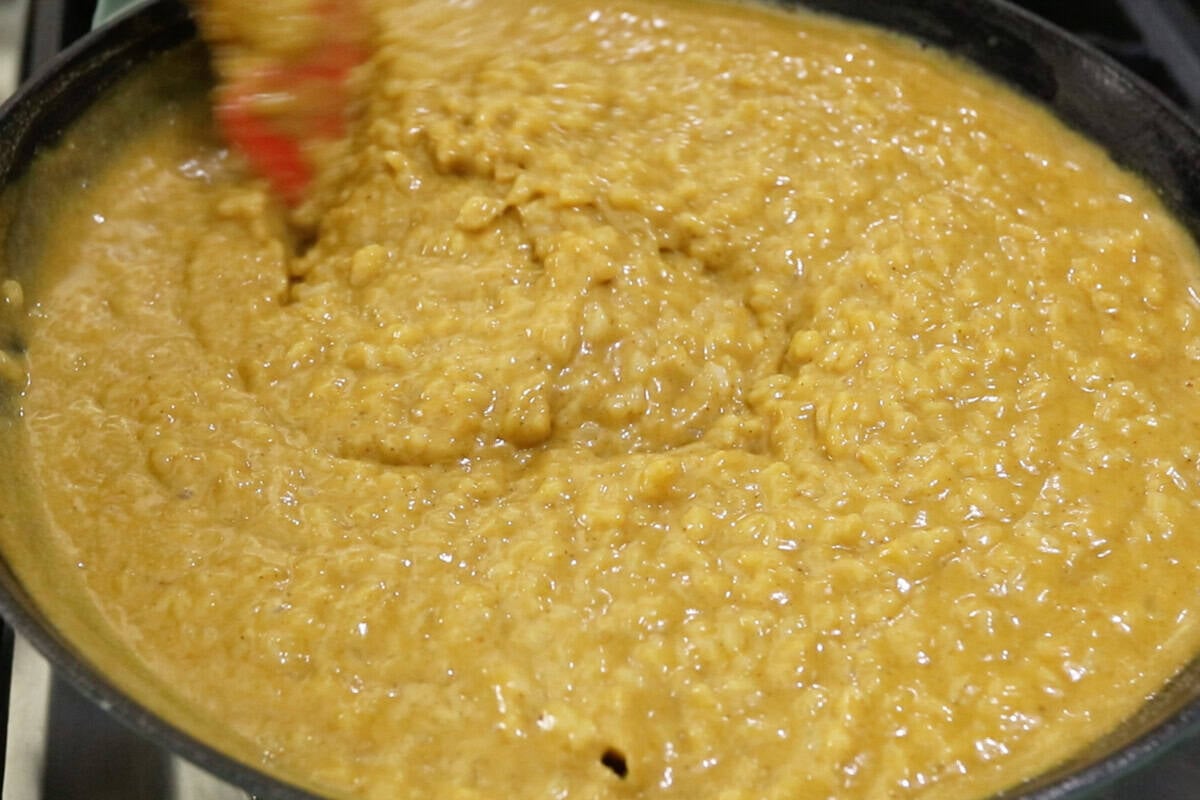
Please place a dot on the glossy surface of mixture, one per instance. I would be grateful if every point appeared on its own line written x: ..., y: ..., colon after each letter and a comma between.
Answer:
x: 673, y: 400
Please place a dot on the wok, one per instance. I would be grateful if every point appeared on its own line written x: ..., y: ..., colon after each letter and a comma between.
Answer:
x: 1131, y: 120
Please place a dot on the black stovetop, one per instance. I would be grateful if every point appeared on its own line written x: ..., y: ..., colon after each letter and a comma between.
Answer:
x: 94, y: 758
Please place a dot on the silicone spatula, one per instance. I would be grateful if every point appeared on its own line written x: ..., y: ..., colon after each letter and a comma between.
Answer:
x: 276, y: 97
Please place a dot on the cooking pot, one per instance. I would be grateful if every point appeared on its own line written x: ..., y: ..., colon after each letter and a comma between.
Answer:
x: 1139, y: 128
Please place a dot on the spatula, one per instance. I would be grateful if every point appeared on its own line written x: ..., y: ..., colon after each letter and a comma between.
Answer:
x: 282, y: 71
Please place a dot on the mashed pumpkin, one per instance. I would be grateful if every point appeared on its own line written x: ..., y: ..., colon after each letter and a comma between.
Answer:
x: 667, y: 399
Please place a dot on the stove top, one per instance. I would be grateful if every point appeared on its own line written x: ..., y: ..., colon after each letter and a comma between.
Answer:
x: 59, y: 746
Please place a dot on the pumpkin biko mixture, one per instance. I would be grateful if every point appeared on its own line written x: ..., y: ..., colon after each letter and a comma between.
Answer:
x: 669, y: 399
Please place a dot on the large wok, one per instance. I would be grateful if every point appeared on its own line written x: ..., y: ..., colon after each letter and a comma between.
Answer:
x: 1091, y: 93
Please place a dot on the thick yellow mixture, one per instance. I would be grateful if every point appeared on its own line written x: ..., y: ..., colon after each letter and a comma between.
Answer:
x: 673, y: 400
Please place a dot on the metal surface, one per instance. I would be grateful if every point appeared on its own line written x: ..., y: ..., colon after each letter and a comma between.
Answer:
x: 62, y: 746
x: 12, y: 24
x: 1172, y: 28
x: 27, y: 718
x: 56, y: 24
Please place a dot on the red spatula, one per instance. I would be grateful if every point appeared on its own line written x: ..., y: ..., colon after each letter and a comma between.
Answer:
x: 273, y: 104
